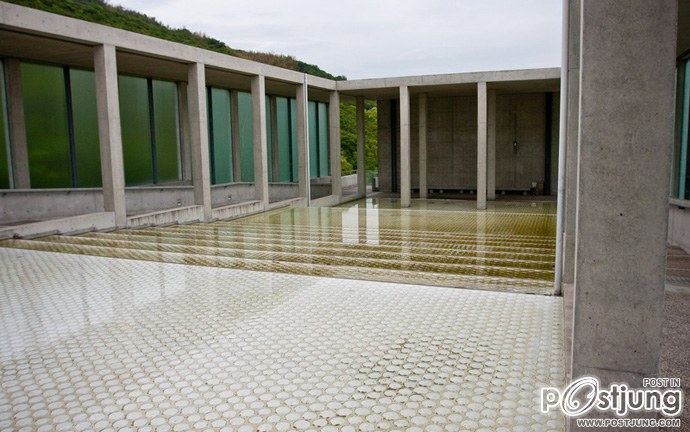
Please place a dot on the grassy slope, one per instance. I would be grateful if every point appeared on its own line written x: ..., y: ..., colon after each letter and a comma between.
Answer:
x: 98, y: 11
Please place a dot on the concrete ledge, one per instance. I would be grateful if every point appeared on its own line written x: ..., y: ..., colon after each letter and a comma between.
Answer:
x: 166, y: 217
x: 292, y: 202
x: 327, y: 201
x: 68, y: 225
x: 237, y: 210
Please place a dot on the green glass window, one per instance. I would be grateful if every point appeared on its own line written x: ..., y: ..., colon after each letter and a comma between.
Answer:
x: 683, y: 172
x: 284, y: 141
x: 85, y: 128
x: 324, y: 150
x: 313, y: 140
x: 295, y: 147
x: 220, y: 136
x: 134, y: 122
x: 167, y: 130
x: 46, y: 123
x: 5, y: 169
x: 269, y: 139
x: 244, y: 102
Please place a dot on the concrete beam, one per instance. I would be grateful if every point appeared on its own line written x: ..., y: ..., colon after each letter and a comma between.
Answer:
x: 491, y: 146
x: 109, y: 134
x: 198, y: 122
x: 334, y: 143
x: 405, y: 175
x: 626, y: 108
x: 303, y: 143
x: 235, y: 131
x: 259, y: 135
x: 423, y: 188
x: 481, y: 144
x: 18, y: 145
x: 361, y: 147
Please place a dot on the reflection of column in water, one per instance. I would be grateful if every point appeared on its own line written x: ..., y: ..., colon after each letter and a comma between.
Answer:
x: 362, y: 224
x: 481, y: 241
x: 405, y: 227
x: 372, y: 217
x: 349, y: 225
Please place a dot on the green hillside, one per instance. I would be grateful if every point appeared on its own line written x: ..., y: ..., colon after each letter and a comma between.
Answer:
x: 98, y: 11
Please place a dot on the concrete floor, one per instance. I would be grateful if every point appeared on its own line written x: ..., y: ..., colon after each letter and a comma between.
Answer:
x: 94, y: 343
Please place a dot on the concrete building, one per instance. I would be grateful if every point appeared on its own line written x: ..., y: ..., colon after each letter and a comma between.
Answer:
x: 104, y: 129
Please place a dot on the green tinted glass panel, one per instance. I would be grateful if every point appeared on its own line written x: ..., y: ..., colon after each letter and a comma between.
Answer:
x: 244, y: 101
x: 284, y: 151
x: 134, y: 122
x: 313, y: 141
x: 222, y: 137
x: 269, y: 138
x: 166, y: 118
x: 295, y: 146
x: 4, y: 136
x: 85, y: 117
x: 324, y: 151
x: 47, y: 133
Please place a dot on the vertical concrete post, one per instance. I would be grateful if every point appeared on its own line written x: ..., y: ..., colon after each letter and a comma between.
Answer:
x: 303, y: 142
x: 361, y: 158
x: 572, y: 131
x: 185, y: 146
x: 626, y: 108
x: 491, y: 146
x: 235, y: 131
x: 259, y: 134
x: 481, y: 145
x: 109, y: 134
x: 334, y: 143
x: 423, y: 188
x: 198, y: 129
x: 405, y: 182
x: 18, y: 146
x: 275, y: 154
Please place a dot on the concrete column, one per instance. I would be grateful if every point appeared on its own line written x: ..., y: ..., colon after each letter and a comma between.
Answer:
x: 572, y: 131
x: 259, y: 134
x: 423, y: 188
x: 491, y: 146
x: 361, y: 147
x: 18, y: 145
x: 303, y: 142
x: 235, y: 131
x: 185, y: 147
x: 109, y: 134
x: 198, y: 128
x: 275, y: 154
x: 626, y: 134
x: 405, y: 183
x: 334, y: 143
x: 481, y: 144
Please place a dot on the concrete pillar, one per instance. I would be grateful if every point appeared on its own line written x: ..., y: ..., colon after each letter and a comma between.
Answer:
x: 491, y: 146
x: 334, y: 143
x: 185, y: 146
x: 361, y: 156
x: 235, y: 131
x: 626, y: 134
x: 303, y: 143
x: 259, y: 134
x: 572, y: 131
x: 109, y: 134
x: 481, y: 144
x: 275, y: 154
x: 198, y: 129
x: 18, y: 146
x: 405, y: 183
x: 423, y: 188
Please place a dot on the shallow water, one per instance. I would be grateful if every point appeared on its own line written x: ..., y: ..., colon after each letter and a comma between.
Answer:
x: 508, y: 247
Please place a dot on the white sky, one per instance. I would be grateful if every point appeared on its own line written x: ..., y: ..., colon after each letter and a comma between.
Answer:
x: 378, y: 38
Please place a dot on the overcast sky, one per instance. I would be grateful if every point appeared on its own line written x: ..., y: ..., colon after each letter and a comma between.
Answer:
x: 377, y: 38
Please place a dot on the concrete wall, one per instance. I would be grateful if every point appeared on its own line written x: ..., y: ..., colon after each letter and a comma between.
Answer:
x: 679, y: 225
x: 452, y: 142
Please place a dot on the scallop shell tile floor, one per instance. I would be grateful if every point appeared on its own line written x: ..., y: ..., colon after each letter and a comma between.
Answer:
x: 99, y: 344
x: 509, y: 247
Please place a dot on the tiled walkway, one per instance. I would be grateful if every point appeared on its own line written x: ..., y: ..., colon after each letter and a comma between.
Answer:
x: 93, y: 343
x: 509, y: 247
